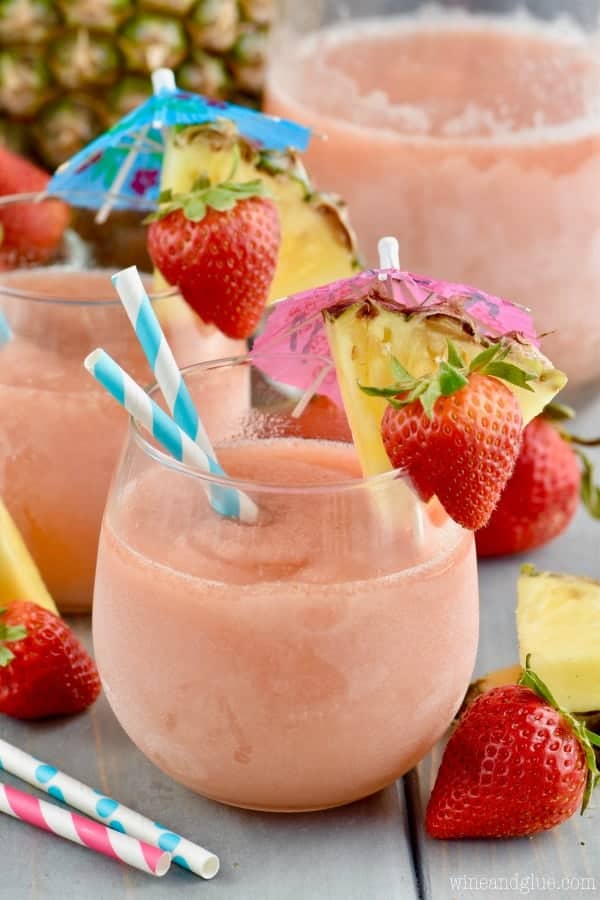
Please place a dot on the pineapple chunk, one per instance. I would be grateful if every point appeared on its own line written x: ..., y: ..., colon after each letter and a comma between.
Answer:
x: 317, y: 244
x: 19, y: 576
x: 365, y: 336
x: 558, y: 623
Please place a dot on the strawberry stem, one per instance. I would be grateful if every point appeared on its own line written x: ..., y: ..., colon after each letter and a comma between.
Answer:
x: 222, y: 196
x: 585, y: 737
x: 451, y: 376
x: 589, y: 491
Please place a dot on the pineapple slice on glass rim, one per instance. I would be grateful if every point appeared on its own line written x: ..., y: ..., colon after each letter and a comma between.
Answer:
x: 317, y: 240
x: 365, y: 336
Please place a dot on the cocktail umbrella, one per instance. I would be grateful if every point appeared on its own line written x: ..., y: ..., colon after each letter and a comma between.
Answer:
x: 296, y: 326
x: 121, y: 168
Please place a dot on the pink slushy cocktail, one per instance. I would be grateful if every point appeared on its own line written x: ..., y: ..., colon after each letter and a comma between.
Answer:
x: 297, y: 663
x: 60, y: 434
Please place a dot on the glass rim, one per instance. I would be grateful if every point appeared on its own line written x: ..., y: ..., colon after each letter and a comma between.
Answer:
x: 245, y: 485
x: 517, y: 139
x: 98, y: 299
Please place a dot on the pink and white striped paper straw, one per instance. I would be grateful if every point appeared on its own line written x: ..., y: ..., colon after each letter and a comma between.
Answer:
x: 86, y: 832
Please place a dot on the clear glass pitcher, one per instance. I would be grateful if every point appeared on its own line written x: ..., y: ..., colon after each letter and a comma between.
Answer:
x: 472, y: 132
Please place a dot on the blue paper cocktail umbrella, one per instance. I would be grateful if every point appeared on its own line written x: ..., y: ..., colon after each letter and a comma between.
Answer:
x: 121, y: 168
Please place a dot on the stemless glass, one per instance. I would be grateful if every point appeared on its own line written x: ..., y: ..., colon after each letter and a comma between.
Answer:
x: 297, y: 663
x: 477, y: 127
x: 59, y: 433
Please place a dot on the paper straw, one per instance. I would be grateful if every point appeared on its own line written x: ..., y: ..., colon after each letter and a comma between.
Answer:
x: 226, y: 501
x: 137, y: 305
x: 5, y: 332
x: 83, y: 831
x: 130, y: 288
x: 49, y: 779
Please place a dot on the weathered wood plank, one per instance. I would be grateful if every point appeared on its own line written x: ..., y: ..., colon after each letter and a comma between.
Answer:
x: 360, y: 852
x: 571, y: 851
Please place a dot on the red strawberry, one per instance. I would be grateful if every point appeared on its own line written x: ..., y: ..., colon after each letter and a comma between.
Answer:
x: 219, y: 246
x: 541, y: 497
x: 45, y: 670
x: 456, y: 432
x: 515, y: 765
x: 29, y: 232
x: 322, y: 419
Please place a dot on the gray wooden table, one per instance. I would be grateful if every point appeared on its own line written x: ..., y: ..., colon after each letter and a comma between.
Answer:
x: 371, y: 850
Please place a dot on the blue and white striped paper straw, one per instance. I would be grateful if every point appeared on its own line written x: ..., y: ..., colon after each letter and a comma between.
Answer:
x: 106, y: 810
x: 227, y: 502
x: 137, y: 305
x: 5, y: 332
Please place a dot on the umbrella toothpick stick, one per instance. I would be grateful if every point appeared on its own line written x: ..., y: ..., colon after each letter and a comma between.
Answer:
x: 310, y: 392
x: 389, y: 255
x: 121, y: 177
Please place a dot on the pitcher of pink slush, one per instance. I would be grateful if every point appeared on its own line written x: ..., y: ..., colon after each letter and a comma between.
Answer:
x: 59, y: 433
x: 477, y: 127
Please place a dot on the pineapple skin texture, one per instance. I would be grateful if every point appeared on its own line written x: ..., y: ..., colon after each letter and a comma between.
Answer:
x: 50, y: 110
x: 362, y: 347
x: 558, y: 623
x: 312, y: 251
x: 19, y: 576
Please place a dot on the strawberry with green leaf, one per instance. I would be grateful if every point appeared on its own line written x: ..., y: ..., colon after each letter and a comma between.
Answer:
x: 44, y: 669
x: 219, y: 245
x: 456, y: 431
x: 515, y: 765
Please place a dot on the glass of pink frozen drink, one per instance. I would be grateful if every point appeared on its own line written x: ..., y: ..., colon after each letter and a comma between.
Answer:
x: 478, y: 138
x: 59, y: 432
x: 297, y: 663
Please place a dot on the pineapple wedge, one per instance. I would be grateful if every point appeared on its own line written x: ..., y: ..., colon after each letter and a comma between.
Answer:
x: 363, y: 338
x: 317, y: 242
x: 558, y: 623
x: 19, y: 576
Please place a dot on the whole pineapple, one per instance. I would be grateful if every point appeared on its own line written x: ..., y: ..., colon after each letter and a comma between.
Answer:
x: 71, y: 68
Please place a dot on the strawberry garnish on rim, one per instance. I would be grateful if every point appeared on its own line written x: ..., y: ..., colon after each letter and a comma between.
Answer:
x: 516, y: 764
x: 219, y: 245
x: 457, y: 431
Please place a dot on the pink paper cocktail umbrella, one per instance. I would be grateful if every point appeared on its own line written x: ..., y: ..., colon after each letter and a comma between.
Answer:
x: 295, y: 325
